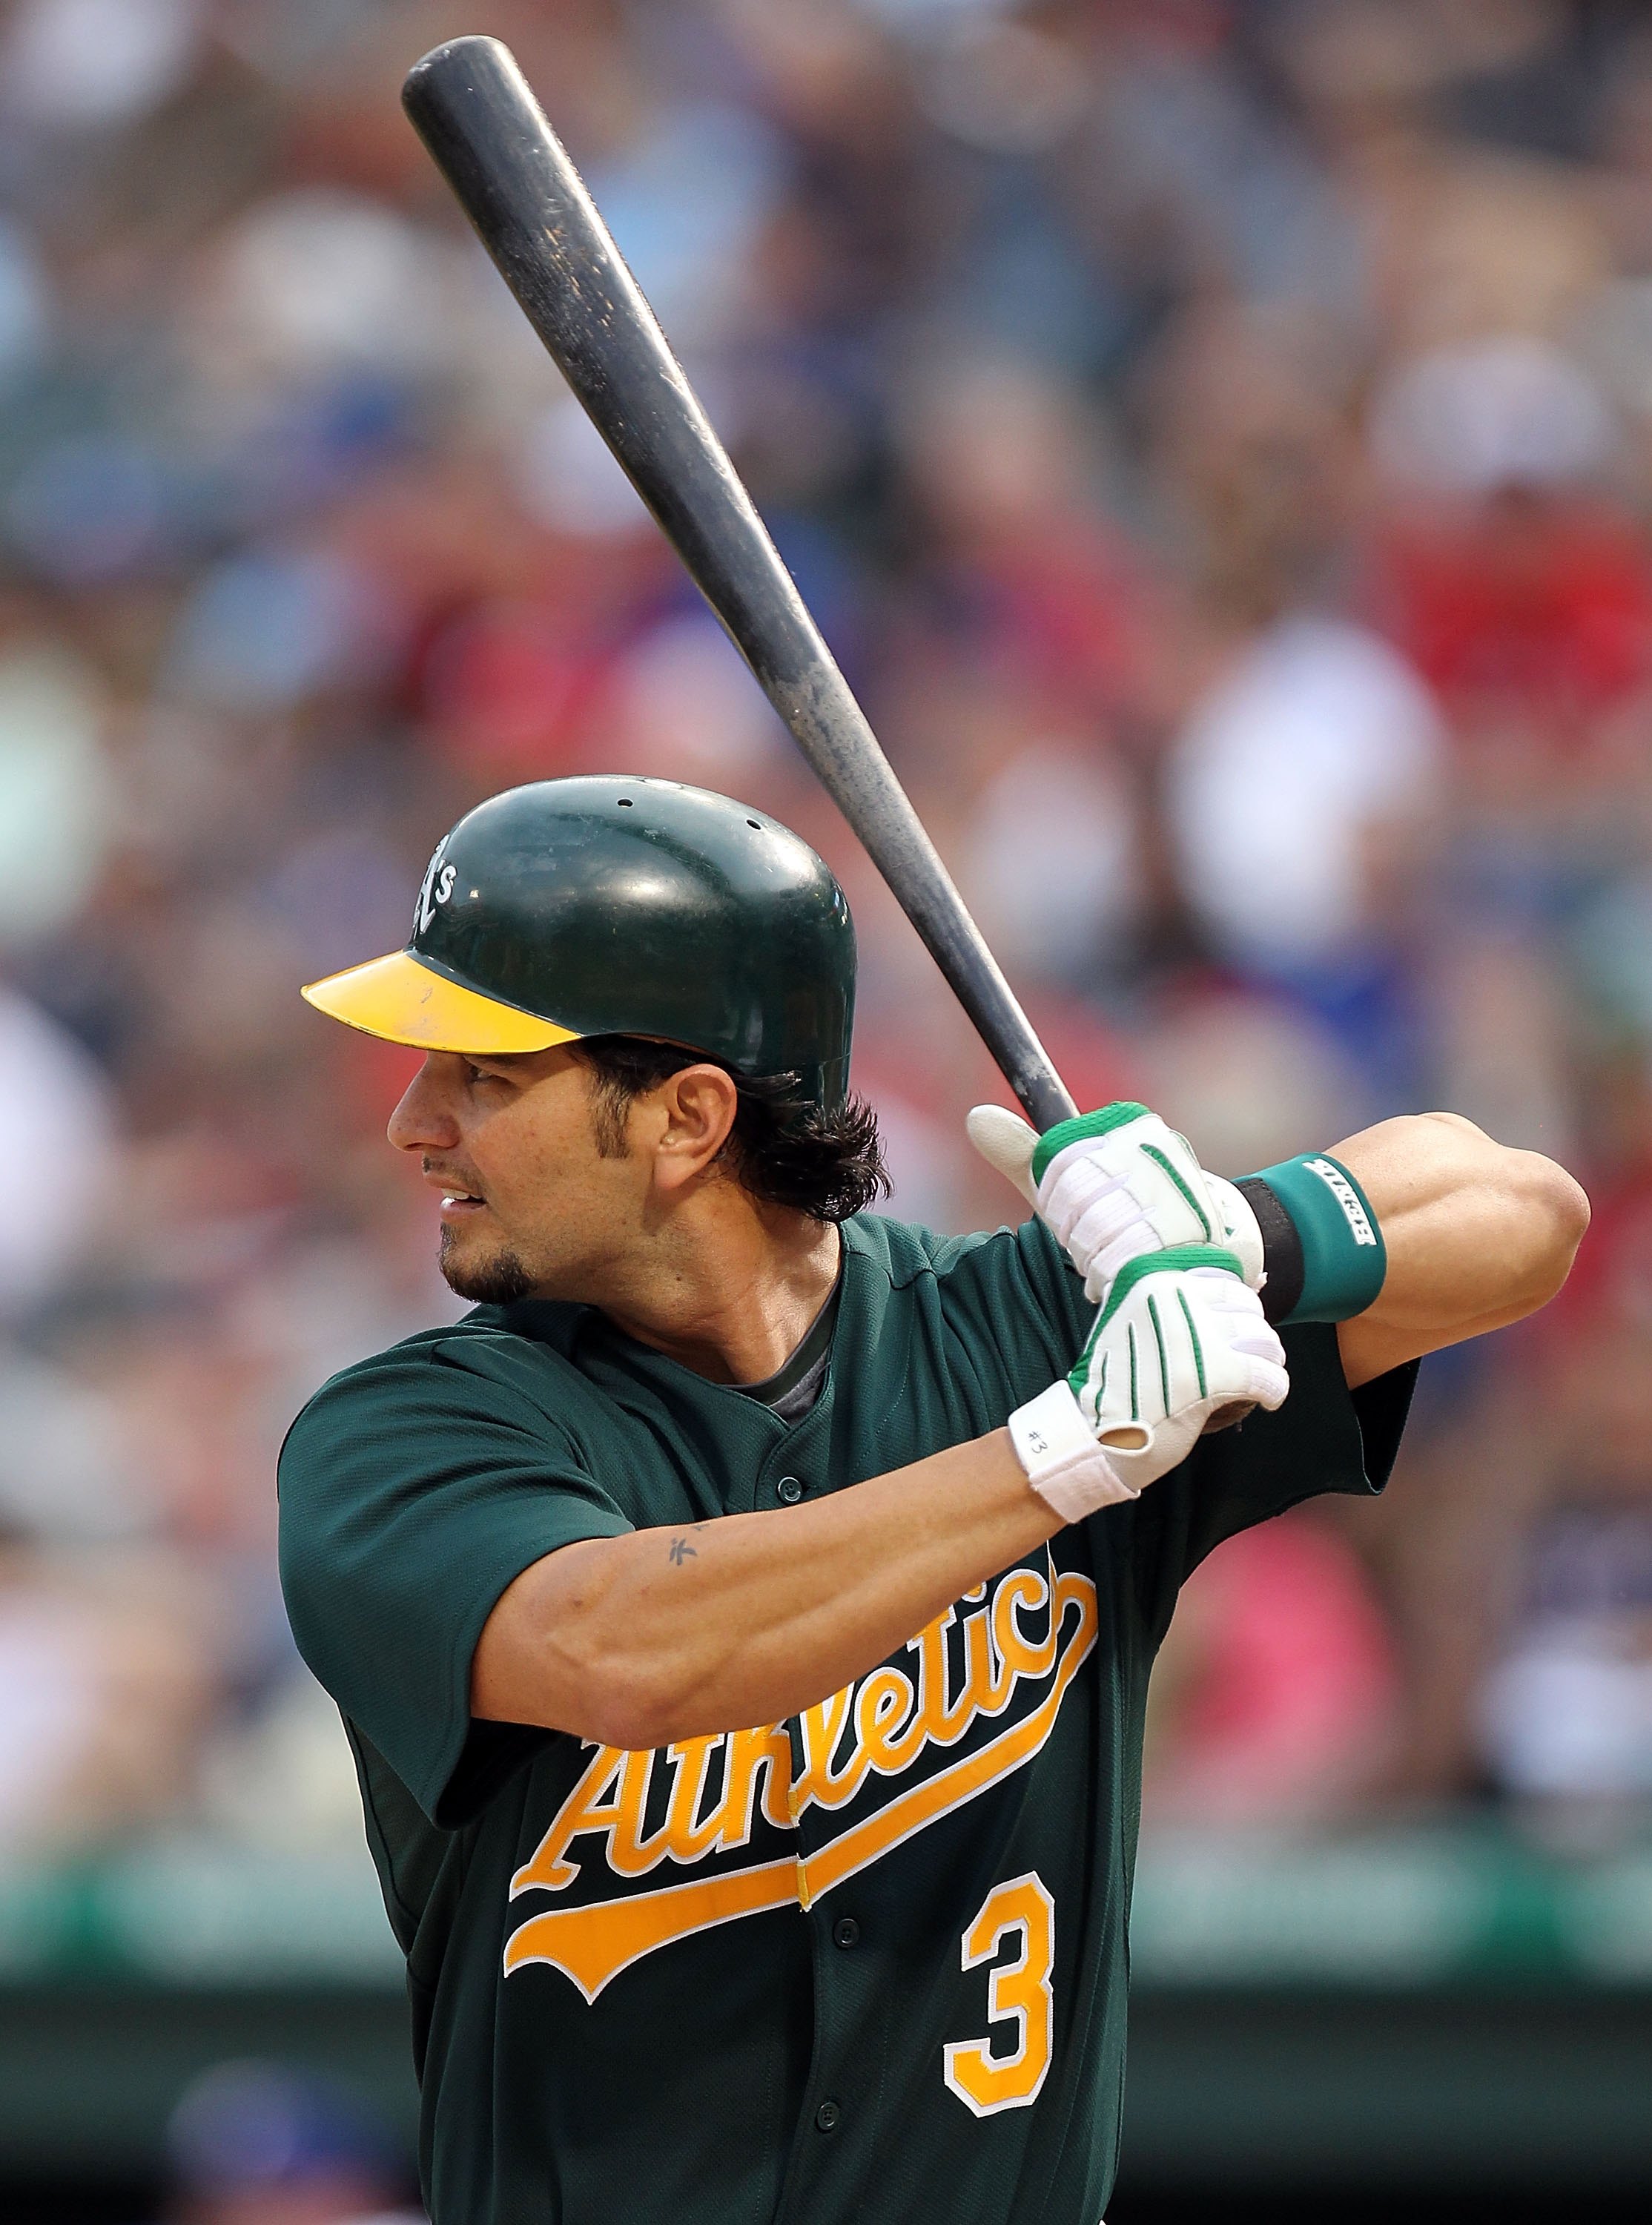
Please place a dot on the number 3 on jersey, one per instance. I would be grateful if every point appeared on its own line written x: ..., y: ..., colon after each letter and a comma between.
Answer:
x: 1020, y: 1990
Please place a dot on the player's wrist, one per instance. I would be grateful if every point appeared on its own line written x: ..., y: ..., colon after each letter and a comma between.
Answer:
x: 1060, y: 1458
x: 1323, y: 1255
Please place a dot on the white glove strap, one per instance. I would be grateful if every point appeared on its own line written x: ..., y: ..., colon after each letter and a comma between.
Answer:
x: 1244, y: 1230
x: 1064, y: 1464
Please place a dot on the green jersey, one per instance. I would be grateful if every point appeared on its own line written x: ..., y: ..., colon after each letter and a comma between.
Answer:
x: 863, y: 1968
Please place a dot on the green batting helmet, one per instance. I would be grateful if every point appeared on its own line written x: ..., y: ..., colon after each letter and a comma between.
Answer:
x: 613, y: 906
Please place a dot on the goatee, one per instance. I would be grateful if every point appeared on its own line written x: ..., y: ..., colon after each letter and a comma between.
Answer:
x: 501, y: 1281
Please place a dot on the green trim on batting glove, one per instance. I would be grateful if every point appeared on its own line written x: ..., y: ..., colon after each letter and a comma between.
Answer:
x: 1081, y: 1129
x: 1144, y: 1362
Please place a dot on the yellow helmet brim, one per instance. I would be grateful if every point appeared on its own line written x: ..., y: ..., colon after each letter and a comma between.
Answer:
x: 401, y: 1000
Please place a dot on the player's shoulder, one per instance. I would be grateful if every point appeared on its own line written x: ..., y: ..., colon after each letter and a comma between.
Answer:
x: 903, y: 1250
x: 1002, y: 1267
x: 493, y: 1356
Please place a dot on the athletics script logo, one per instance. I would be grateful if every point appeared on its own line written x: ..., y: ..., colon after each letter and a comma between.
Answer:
x: 890, y: 1755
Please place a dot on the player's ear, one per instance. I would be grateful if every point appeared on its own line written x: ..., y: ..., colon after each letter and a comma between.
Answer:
x: 696, y: 1109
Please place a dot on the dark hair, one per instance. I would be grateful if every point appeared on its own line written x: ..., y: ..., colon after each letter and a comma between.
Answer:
x: 782, y: 1147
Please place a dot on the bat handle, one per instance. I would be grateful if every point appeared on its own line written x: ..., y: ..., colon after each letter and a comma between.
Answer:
x: 1043, y: 1098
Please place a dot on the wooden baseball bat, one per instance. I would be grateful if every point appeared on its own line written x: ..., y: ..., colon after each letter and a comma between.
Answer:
x: 472, y: 106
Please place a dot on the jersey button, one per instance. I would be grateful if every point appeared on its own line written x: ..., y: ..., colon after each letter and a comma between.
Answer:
x: 790, y: 1490
x: 845, y: 1932
x: 827, y: 2117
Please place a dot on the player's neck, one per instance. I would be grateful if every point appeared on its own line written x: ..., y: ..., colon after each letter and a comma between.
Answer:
x: 735, y: 1303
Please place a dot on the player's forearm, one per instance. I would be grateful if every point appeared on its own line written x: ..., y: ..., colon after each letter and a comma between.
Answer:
x: 1477, y: 1235
x: 672, y: 1633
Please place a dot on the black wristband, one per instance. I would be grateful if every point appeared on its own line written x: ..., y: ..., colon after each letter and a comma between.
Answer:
x: 1281, y: 1249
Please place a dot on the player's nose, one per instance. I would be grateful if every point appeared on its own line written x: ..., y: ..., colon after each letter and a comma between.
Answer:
x: 424, y: 1120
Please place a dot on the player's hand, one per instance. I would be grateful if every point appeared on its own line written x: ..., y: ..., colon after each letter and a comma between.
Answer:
x: 1179, y: 1339
x: 1115, y: 1185
x: 1180, y: 1344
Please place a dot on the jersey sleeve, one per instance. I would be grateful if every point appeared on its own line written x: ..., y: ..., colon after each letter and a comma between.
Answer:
x: 414, y: 1489
x: 1324, y: 1438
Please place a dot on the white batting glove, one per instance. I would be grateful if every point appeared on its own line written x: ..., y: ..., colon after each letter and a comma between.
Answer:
x: 1179, y: 1339
x: 1114, y: 1185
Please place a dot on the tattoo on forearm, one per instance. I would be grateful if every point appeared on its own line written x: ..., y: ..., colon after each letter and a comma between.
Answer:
x: 681, y: 1550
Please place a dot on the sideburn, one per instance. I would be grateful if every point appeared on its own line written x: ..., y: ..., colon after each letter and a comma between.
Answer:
x: 611, y: 1100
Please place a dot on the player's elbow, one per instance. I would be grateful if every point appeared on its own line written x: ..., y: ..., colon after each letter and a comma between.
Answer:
x: 559, y: 1652
x: 573, y: 1683
x: 643, y: 1697
x: 1547, y: 1213
x: 634, y: 1685
x: 619, y: 1707
x: 1541, y: 1212
x: 1555, y: 1211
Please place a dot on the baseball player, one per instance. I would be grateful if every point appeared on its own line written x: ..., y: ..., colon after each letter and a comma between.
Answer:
x: 742, y: 1619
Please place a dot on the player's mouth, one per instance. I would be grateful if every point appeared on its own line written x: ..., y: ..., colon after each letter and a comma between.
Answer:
x: 458, y: 1202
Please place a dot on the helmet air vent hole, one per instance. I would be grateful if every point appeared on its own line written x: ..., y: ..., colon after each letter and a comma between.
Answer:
x: 625, y: 804
x: 754, y: 825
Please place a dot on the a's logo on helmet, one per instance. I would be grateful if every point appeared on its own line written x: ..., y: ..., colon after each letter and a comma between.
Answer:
x: 437, y: 888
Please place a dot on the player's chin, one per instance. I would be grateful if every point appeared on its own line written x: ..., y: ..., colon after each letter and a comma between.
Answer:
x: 487, y: 1273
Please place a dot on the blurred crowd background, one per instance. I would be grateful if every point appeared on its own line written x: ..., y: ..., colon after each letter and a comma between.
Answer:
x: 1217, y: 441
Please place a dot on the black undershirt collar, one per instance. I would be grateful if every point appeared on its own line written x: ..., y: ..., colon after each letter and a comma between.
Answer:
x: 790, y: 1392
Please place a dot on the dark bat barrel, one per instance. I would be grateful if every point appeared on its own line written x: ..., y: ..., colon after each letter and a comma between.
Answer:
x: 474, y: 111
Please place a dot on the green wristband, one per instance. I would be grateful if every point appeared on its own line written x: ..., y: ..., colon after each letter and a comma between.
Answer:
x: 1344, y: 1257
